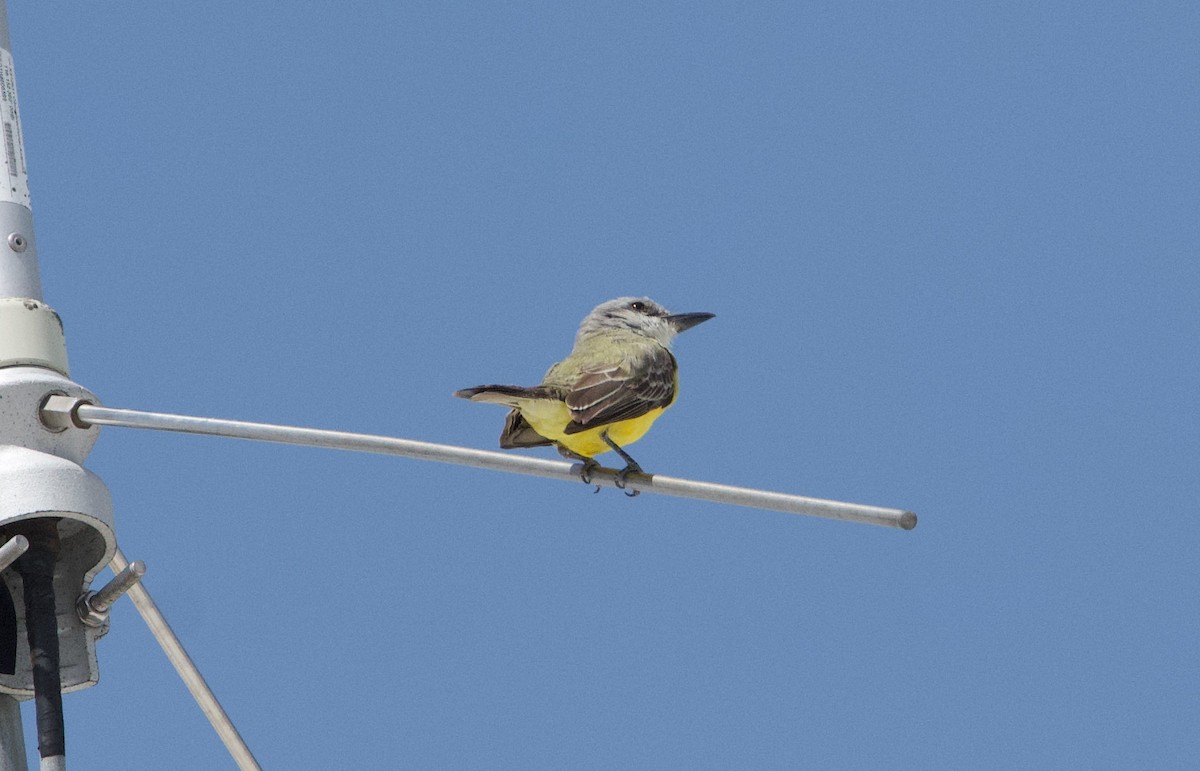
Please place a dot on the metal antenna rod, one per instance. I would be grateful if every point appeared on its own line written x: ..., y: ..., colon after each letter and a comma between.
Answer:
x: 187, y: 670
x: 14, y: 547
x: 63, y: 412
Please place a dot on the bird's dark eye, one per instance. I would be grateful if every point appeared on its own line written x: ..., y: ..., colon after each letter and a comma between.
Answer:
x: 638, y: 306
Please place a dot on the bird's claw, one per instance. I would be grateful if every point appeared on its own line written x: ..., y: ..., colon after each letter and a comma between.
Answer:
x: 631, y: 466
x: 585, y: 473
x: 623, y: 474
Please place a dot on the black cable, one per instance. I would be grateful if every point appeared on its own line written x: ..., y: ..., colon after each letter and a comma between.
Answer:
x: 36, y: 567
x: 8, y: 631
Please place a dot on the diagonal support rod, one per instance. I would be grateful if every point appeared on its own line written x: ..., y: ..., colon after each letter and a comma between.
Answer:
x: 63, y: 412
x: 187, y: 670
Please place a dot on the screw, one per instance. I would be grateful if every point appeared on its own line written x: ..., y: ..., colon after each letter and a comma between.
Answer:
x: 17, y: 242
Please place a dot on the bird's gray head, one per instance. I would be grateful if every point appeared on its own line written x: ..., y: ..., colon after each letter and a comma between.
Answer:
x: 641, y: 315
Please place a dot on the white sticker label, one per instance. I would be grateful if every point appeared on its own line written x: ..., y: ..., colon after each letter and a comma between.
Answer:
x: 15, y: 185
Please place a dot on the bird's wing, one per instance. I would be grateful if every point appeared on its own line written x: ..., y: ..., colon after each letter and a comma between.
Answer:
x: 518, y: 433
x: 607, y: 394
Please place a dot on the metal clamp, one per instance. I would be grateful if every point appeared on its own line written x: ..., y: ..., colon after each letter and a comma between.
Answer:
x: 59, y: 412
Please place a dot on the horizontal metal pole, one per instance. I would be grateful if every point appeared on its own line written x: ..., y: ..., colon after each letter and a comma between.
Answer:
x: 83, y: 414
x: 187, y: 670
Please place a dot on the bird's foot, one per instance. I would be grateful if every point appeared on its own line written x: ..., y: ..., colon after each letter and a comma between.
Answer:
x: 630, y: 468
x: 585, y: 473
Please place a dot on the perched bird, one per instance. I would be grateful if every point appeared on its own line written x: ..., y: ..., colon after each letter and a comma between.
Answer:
x: 618, y: 379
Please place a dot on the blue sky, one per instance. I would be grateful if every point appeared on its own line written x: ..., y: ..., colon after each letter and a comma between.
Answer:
x: 953, y: 253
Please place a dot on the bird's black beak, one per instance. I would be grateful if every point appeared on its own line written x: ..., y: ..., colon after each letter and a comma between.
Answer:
x: 685, y: 321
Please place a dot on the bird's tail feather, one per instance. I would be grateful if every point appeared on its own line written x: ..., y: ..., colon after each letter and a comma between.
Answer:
x: 507, y: 395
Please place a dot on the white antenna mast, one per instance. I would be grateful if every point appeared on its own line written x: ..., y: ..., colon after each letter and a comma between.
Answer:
x: 56, y: 521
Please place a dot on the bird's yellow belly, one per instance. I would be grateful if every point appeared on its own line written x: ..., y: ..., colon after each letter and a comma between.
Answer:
x: 550, y: 418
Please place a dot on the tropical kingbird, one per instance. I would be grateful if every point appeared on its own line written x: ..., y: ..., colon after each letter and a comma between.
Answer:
x: 618, y: 379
